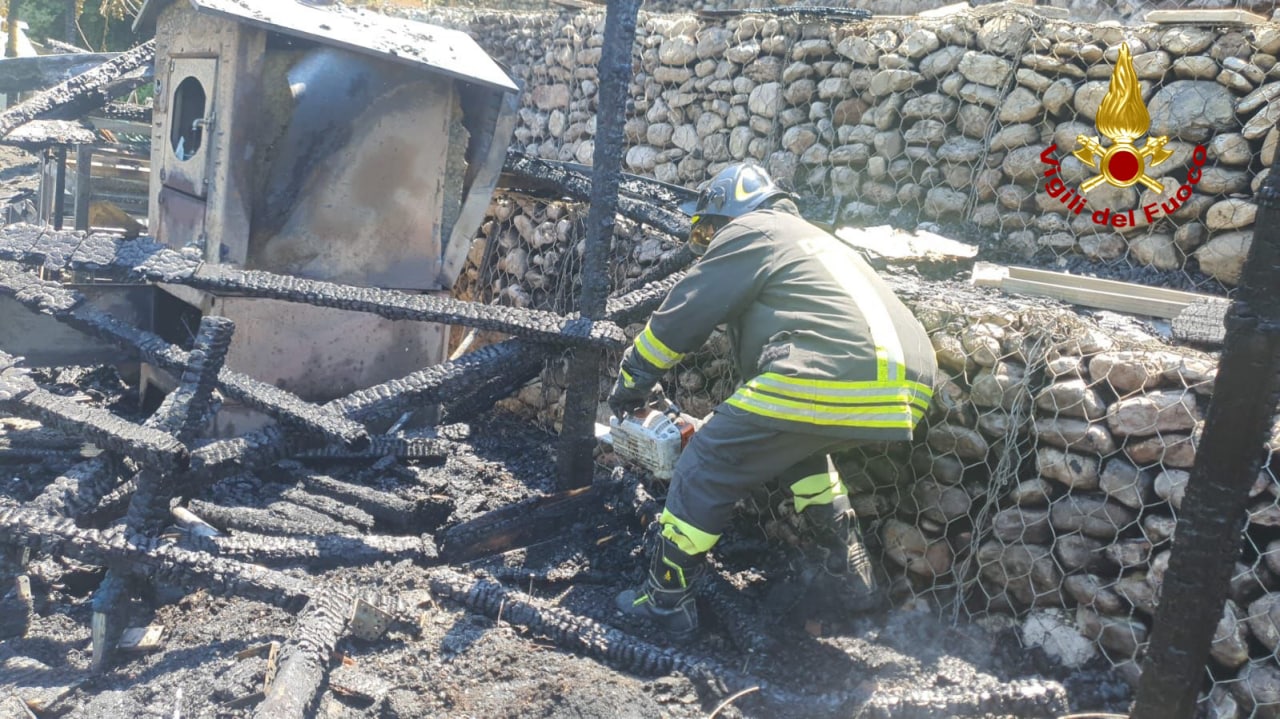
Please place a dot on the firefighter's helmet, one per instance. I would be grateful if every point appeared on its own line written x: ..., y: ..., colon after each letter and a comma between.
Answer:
x: 734, y: 191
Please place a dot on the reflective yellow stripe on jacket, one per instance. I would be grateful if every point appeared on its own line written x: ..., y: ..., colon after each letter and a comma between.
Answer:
x: 893, y: 404
x: 654, y: 351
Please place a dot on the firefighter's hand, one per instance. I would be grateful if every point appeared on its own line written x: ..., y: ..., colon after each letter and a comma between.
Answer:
x: 630, y: 397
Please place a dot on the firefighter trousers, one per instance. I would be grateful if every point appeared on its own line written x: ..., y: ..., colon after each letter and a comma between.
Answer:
x: 729, y: 458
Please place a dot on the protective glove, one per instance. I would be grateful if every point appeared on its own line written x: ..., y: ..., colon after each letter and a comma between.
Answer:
x: 631, y: 392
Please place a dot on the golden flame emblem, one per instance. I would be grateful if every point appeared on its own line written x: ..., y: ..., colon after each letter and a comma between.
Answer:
x: 1122, y: 118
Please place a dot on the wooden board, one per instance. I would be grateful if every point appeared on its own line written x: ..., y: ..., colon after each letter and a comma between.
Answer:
x: 1086, y: 291
x: 896, y: 245
x: 1199, y: 16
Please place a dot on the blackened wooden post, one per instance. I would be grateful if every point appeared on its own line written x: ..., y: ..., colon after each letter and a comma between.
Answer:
x: 60, y: 187
x: 84, y: 175
x: 1207, y: 544
x: 577, y: 433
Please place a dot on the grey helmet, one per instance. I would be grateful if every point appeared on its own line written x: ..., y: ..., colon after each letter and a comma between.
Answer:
x: 734, y: 191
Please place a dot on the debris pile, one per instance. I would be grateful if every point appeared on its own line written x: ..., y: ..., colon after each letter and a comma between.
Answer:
x: 235, y: 518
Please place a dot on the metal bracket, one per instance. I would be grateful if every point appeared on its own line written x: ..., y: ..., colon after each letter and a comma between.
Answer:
x: 369, y: 622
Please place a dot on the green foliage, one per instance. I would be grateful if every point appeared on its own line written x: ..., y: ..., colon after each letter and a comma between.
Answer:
x: 101, y: 25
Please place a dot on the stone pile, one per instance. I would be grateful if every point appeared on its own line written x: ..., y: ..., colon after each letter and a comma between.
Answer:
x: 945, y: 117
x: 1050, y: 478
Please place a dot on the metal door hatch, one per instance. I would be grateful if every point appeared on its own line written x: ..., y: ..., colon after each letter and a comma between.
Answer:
x: 188, y: 137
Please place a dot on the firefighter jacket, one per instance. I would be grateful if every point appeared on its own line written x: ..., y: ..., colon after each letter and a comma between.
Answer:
x: 822, y: 342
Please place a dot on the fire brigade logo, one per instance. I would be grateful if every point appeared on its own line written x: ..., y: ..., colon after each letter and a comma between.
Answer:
x: 1122, y: 119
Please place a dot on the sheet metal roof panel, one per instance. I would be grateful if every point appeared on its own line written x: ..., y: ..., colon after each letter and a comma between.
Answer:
x: 450, y: 52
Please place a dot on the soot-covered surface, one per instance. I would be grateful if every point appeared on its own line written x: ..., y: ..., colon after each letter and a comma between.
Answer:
x: 784, y: 626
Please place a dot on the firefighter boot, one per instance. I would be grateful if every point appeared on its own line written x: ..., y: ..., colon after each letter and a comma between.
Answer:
x: 836, y: 525
x: 667, y: 597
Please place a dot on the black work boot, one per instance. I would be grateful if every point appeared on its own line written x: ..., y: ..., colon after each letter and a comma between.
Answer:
x: 667, y: 597
x: 840, y: 539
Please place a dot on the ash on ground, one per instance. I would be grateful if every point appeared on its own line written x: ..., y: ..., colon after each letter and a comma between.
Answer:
x: 454, y: 663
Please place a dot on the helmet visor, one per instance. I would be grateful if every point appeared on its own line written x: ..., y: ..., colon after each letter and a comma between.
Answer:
x: 700, y: 234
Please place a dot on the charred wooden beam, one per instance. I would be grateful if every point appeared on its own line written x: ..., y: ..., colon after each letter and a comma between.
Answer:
x: 320, y: 551
x: 11, y: 454
x: 114, y: 503
x: 440, y: 383
x: 537, y: 325
x: 40, y: 438
x: 154, y: 262
x: 125, y: 111
x: 390, y: 510
x: 110, y: 612
x: 507, y: 366
x: 264, y: 521
x: 381, y: 445
x: 246, y: 453
x: 304, y: 661
x: 343, y: 513
x: 182, y: 413
x: 186, y: 409
x: 571, y: 631
x: 27, y: 74
x: 665, y: 268
x: 78, y: 490
x: 70, y: 307
x: 149, y: 446
x: 735, y: 614
x: 496, y: 388
x: 81, y: 93
x: 517, y: 525
x: 582, y: 395
x: 636, y: 305
x: 525, y: 170
x: 149, y: 558
x: 1215, y: 510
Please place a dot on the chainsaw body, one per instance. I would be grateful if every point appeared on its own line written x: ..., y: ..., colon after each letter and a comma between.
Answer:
x: 653, y: 438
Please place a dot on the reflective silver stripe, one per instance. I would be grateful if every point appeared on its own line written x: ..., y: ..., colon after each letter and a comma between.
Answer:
x: 656, y: 353
x: 802, y: 390
x: 759, y: 404
x: 839, y: 263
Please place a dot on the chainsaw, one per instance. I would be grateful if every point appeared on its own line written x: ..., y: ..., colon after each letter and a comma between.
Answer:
x: 652, y: 437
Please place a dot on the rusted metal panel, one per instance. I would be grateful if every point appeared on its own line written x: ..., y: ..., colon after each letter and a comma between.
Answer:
x: 449, y: 52
x: 321, y: 354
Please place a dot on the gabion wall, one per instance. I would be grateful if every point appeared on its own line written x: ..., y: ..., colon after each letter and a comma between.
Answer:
x: 1048, y: 479
x: 941, y: 120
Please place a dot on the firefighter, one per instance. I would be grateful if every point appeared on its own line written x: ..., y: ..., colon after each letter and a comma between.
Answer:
x: 830, y: 358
